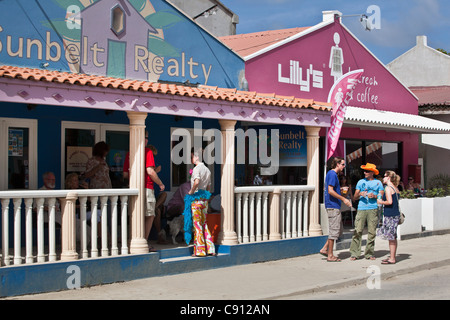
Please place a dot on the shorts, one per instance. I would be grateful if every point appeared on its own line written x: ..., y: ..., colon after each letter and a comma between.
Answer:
x: 150, y: 203
x: 335, y: 225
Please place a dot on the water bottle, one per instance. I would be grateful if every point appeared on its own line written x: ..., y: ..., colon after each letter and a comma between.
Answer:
x: 379, y: 198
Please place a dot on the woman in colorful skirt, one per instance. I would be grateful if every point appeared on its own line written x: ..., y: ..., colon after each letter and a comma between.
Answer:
x: 196, y: 201
x: 388, y: 230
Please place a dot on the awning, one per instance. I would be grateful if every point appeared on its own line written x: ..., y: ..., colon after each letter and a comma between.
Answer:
x: 393, y: 121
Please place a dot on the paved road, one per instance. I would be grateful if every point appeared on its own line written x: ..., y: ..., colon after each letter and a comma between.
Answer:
x: 282, y: 279
x: 431, y: 284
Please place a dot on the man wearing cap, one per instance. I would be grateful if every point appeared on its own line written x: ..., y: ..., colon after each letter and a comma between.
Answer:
x: 366, y: 191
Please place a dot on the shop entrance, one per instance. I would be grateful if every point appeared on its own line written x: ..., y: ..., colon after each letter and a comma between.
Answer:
x: 385, y: 155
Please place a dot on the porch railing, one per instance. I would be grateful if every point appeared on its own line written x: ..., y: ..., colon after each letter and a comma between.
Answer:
x: 271, y: 212
x: 40, y: 208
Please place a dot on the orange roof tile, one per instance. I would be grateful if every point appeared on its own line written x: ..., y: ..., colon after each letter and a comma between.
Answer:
x: 202, y: 91
x: 248, y: 43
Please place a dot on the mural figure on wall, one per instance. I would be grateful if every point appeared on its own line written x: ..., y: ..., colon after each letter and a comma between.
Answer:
x: 95, y: 38
x: 336, y: 58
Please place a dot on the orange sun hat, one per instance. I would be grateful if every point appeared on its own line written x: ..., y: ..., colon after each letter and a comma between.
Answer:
x: 370, y: 167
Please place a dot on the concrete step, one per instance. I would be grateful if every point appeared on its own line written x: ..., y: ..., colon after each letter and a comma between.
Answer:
x: 180, y: 260
x: 185, y: 254
x: 185, y: 259
x: 345, y: 240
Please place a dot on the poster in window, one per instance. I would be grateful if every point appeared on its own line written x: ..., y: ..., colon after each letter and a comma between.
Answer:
x: 15, y: 142
x: 77, y: 158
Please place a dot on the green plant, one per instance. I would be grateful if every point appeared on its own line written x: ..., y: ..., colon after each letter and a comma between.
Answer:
x: 435, y: 193
x: 443, y: 51
x: 440, y: 181
x: 407, y: 194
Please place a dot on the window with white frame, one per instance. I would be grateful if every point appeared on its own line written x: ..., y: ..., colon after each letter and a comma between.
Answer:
x: 78, y: 139
x: 18, y: 154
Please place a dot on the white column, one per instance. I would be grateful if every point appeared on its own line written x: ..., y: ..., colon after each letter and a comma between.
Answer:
x: 258, y: 217
x: 265, y: 201
x: 114, y: 246
x: 5, y: 232
x: 228, y: 234
x: 275, y: 215
x: 68, y: 227
x: 239, y: 216
x: 40, y: 229
x: 83, y: 227
x: 137, y: 181
x: 245, y: 237
x: 288, y: 214
x: 104, y: 225
x: 313, y: 179
x: 17, y: 231
x: 29, y: 230
x: 51, y: 229
x: 124, y: 225
x: 94, y: 226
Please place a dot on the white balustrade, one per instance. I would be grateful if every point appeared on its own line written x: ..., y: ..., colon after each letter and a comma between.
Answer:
x: 253, y: 214
x: 44, y: 204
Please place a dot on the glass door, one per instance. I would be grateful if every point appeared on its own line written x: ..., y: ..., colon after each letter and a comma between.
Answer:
x: 79, y: 138
x: 117, y: 137
x: 18, y: 154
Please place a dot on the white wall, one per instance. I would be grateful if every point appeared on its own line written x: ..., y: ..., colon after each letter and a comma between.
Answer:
x: 422, y: 66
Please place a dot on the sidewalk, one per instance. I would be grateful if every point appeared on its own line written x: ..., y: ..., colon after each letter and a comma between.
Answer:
x: 274, y: 279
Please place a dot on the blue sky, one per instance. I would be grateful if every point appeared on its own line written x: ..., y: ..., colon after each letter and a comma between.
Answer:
x: 401, y: 20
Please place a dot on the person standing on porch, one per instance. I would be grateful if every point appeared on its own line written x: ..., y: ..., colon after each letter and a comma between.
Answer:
x: 151, y: 177
x: 333, y: 200
x: 367, y: 191
x: 97, y: 170
x: 391, y: 214
x: 197, y: 200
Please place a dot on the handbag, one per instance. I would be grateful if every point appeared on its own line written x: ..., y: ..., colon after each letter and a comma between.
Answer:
x: 402, y: 216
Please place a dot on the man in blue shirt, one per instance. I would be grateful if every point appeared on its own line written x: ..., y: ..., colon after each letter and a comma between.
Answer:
x: 333, y: 200
x: 366, y: 191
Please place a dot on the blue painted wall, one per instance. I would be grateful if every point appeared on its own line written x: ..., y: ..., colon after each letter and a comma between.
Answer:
x: 49, y: 134
x: 159, y: 42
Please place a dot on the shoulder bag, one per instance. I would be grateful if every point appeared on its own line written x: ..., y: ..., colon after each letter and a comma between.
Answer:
x: 402, y: 216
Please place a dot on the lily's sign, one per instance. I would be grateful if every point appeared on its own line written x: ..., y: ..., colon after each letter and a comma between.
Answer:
x: 340, y: 95
x: 303, y: 78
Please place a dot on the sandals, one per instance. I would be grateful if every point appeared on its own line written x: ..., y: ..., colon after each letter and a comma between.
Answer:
x: 336, y: 259
x: 324, y: 254
x: 386, y: 261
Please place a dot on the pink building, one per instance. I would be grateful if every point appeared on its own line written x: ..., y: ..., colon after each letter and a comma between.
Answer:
x: 381, y: 124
